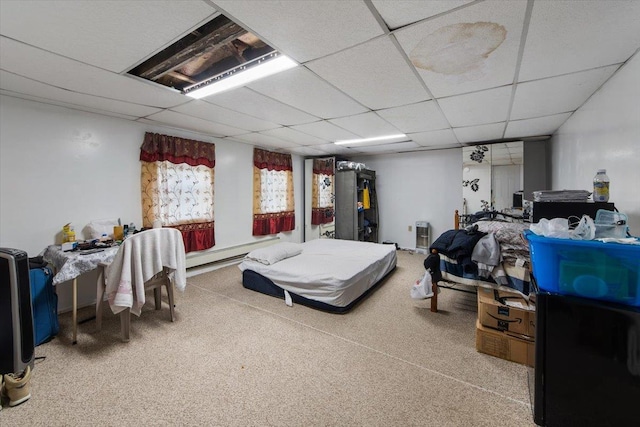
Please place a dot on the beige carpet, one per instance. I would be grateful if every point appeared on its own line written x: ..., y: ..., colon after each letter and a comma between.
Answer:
x: 238, y: 357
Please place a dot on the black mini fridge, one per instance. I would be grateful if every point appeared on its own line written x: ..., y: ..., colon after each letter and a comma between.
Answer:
x: 587, y: 367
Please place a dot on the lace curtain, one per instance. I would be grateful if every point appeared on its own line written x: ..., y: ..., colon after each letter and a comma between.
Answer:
x: 322, y: 193
x: 177, y: 178
x: 273, y: 208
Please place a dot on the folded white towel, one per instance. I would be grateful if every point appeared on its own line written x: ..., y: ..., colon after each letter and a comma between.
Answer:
x: 139, y: 258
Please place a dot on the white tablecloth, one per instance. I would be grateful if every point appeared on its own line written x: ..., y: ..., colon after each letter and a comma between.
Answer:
x: 71, y: 264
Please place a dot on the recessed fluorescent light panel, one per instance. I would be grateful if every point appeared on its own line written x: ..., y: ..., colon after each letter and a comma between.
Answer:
x: 264, y: 66
x: 214, y: 55
x: 374, y: 141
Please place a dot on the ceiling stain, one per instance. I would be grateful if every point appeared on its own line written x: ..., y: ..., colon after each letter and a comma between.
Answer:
x: 459, y: 49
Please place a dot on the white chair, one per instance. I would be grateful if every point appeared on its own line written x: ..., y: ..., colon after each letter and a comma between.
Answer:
x: 147, y: 260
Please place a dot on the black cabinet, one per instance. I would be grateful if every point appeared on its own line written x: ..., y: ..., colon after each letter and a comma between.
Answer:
x: 587, y: 367
x: 551, y: 210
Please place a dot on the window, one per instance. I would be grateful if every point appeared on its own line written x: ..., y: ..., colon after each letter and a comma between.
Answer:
x: 322, y: 195
x: 177, y: 177
x: 273, y: 206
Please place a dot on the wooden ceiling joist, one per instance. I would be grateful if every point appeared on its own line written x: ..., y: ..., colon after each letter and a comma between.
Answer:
x: 224, y: 31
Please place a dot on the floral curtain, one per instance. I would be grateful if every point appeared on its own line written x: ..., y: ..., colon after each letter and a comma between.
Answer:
x: 273, y: 209
x: 177, y: 178
x: 322, y: 194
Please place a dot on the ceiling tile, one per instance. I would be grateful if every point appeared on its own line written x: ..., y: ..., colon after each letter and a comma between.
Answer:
x: 265, y: 140
x: 215, y: 113
x: 435, y: 138
x: 182, y: 120
x: 110, y: 35
x: 67, y: 105
x: 479, y: 133
x: 535, y: 127
x: 557, y: 94
x: 305, y: 30
x: 325, y: 130
x: 358, y: 144
x: 400, y: 13
x: 389, y: 148
x: 302, y: 89
x: 471, y: 49
x: 366, y: 125
x: 37, y: 64
x: 292, y: 135
x: 354, y: 151
x: 439, y: 147
x: 335, y: 149
x: 50, y: 94
x: 487, y: 106
x: 375, y: 64
x: 420, y: 117
x: 307, y: 151
x: 255, y: 104
x: 565, y: 37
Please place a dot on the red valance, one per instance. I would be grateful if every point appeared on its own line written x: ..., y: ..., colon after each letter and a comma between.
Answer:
x: 197, y: 236
x: 321, y: 216
x: 157, y: 147
x: 265, y: 224
x: 323, y: 166
x: 263, y: 159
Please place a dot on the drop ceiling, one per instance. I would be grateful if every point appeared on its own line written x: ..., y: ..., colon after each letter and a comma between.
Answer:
x: 445, y: 73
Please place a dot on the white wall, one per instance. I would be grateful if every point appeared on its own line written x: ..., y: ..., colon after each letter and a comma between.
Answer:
x: 419, y: 186
x: 59, y: 165
x: 604, y: 133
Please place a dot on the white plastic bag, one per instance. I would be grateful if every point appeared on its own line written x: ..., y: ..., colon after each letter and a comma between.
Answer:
x: 556, y: 227
x: 423, y: 288
x: 585, y: 230
x: 98, y: 227
x: 559, y: 228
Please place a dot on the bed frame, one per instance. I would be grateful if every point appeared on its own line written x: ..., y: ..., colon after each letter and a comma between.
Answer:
x: 434, y: 286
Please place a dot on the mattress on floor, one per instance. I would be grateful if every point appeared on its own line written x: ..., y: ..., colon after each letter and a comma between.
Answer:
x: 332, y: 272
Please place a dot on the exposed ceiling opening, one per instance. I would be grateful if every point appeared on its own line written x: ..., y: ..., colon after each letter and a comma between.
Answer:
x: 212, y: 49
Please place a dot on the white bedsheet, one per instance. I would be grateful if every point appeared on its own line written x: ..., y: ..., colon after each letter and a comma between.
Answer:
x: 332, y: 271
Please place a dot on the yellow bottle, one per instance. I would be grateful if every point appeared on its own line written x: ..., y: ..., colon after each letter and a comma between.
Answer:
x: 68, y: 233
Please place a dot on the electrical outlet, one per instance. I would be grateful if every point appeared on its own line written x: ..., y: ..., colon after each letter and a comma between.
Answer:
x: 410, y: 228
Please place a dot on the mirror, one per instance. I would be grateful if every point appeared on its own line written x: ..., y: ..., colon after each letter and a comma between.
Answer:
x: 319, y: 195
x: 492, y: 177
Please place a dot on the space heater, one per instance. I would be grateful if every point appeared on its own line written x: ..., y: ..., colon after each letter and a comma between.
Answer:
x: 16, y: 318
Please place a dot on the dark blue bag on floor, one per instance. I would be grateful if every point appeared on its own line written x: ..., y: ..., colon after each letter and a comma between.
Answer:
x: 44, y: 302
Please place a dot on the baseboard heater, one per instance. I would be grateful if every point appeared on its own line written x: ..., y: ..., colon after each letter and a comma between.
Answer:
x: 196, y: 259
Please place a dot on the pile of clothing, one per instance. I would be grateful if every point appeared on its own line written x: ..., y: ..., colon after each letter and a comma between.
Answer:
x: 460, y: 244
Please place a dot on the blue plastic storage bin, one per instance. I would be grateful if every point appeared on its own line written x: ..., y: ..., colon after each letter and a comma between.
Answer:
x: 586, y: 268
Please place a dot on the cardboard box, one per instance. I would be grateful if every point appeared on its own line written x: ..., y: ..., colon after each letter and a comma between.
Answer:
x: 68, y: 246
x: 504, y: 346
x: 506, y: 311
